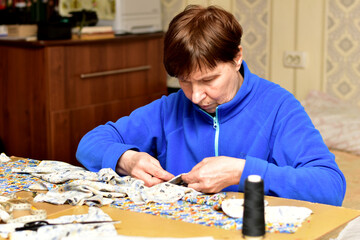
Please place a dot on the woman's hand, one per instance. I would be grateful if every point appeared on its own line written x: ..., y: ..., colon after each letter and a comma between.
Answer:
x: 213, y: 174
x: 143, y: 166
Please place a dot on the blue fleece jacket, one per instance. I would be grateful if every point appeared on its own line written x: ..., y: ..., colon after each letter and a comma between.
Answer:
x: 263, y: 124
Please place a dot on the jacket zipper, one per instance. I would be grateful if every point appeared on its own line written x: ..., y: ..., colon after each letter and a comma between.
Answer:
x: 217, y: 130
x: 216, y: 126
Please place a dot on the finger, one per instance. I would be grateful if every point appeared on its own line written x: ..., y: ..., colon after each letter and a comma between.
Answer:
x: 160, y: 173
x: 155, y: 162
x: 147, y: 178
x: 151, y: 174
x: 190, y: 177
x: 152, y: 181
x: 201, y: 187
x: 195, y: 186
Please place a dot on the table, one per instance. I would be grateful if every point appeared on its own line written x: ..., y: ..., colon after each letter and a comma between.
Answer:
x: 325, y: 222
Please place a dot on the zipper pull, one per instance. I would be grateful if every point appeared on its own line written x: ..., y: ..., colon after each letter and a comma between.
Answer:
x: 215, y: 123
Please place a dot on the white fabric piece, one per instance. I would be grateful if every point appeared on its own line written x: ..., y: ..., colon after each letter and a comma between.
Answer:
x: 4, y: 158
x: 134, y: 192
x: 58, y: 232
x: 101, y: 186
x: 6, y: 229
x: 62, y: 176
x: 86, y: 188
x: 77, y: 196
x: 286, y: 214
x: 4, y: 216
x: 4, y: 199
x: 58, y: 172
x: 57, y: 197
x: 106, y: 185
x: 273, y: 214
x: 235, y: 207
x: 96, y: 201
x: 164, y: 193
x: 47, y: 166
x: 351, y: 231
x: 110, y: 176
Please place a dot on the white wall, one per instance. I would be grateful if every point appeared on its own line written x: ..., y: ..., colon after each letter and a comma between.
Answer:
x: 326, y: 31
x: 298, y: 25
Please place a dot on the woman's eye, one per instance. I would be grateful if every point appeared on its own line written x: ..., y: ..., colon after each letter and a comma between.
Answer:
x: 208, y: 80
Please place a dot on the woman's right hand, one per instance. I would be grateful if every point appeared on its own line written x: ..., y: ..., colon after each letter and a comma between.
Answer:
x: 142, y: 166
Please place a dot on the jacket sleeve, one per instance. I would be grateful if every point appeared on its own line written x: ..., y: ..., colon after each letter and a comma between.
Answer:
x: 299, y: 166
x: 103, y: 146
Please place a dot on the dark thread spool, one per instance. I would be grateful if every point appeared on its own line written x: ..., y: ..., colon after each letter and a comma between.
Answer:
x: 253, y: 218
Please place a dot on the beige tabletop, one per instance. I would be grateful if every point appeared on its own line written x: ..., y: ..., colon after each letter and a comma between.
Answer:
x: 325, y: 222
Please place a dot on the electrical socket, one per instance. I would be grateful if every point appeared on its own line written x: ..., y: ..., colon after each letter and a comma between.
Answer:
x: 295, y: 59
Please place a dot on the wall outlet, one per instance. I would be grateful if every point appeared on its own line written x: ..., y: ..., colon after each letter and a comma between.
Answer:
x: 295, y: 59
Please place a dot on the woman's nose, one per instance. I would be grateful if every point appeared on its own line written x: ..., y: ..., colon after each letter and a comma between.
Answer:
x: 198, y: 94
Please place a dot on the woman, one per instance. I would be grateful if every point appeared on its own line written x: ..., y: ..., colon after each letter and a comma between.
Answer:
x: 223, y: 125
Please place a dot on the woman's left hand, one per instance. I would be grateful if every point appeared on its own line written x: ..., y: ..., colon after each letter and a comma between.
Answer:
x: 213, y: 174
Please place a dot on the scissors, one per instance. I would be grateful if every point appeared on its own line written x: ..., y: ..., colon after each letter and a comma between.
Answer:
x: 35, y: 225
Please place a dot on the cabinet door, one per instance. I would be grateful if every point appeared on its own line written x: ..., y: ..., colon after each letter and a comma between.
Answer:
x: 68, y: 127
x: 23, y: 122
x: 93, y: 83
x: 97, y: 73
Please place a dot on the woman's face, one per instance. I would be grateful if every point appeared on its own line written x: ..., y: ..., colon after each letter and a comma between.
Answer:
x: 210, y: 88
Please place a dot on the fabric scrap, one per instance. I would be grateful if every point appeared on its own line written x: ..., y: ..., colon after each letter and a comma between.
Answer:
x: 4, y: 158
x: 57, y: 232
x: 58, y: 172
x: 10, y: 182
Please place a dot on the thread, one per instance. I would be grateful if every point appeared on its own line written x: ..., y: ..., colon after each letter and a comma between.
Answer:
x: 253, y: 218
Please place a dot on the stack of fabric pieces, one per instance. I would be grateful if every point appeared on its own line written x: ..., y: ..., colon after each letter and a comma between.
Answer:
x: 102, y: 188
x: 67, y: 184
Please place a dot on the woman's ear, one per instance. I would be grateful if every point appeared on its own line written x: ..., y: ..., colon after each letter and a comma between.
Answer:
x: 239, y: 57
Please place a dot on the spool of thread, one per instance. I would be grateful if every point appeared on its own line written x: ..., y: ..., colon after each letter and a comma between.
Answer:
x: 254, y: 214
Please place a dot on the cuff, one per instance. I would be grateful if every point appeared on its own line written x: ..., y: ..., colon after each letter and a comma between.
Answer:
x: 253, y: 166
x: 113, y: 153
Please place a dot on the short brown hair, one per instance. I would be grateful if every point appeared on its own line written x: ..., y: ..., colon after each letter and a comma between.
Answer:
x: 200, y: 37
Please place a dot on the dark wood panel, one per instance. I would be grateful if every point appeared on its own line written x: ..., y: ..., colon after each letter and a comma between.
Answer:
x: 24, y: 122
x: 72, y: 91
x: 46, y: 108
x: 69, y: 126
x: 3, y: 83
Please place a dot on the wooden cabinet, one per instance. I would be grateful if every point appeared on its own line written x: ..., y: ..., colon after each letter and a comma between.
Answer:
x: 52, y: 93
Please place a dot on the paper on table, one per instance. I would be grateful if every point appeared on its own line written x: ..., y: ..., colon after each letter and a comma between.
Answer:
x: 122, y: 237
x: 59, y: 232
x: 351, y: 231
